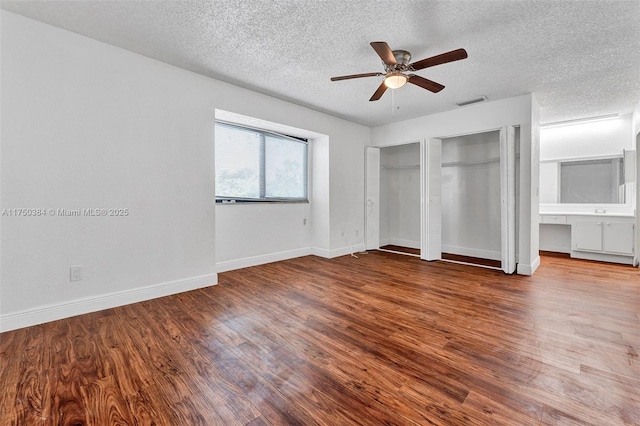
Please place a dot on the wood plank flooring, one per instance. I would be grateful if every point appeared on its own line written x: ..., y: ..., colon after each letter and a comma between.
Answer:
x: 383, y: 339
x: 446, y: 256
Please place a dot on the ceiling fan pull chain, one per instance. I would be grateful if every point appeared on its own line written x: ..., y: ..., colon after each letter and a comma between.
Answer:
x: 393, y: 103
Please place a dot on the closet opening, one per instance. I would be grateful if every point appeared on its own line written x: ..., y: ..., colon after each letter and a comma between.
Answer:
x: 471, y: 227
x: 400, y: 199
x: 478, y: 178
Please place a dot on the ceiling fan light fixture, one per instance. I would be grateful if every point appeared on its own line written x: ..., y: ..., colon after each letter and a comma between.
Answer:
x: 395, y: 80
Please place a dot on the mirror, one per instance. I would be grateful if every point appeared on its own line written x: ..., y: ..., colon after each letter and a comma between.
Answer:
x: 601, y: 180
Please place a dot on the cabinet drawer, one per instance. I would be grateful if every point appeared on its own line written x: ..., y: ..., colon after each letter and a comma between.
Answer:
x: 561, y: 220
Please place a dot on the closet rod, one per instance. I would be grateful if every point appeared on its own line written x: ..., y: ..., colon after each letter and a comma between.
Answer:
x: 471, y: 163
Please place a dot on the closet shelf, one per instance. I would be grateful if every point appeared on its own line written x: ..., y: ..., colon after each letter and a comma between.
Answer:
x: 400, y: 167
x: 471, y: 163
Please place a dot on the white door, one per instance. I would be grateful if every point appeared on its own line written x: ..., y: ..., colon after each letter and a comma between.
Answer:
x: 432, y: 233
x: 372, y: 198
x: 508, y: 199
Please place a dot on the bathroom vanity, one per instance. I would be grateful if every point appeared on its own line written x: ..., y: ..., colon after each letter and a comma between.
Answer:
x: 600, y: 236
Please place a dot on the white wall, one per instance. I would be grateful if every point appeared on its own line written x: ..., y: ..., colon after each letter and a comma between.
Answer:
x: 519, y: 110
x: 584, y: 140
x: 88, y: 125
x: 252, y: 234
x: 1, y: 138
x: 635, y: 136
x: 400, y: 195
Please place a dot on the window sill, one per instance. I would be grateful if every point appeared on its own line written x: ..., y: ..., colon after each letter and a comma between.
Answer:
x: 231, y: 201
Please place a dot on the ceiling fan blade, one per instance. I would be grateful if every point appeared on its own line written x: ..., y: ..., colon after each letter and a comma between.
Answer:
x: 385, y: 53
x: 443, y: 58
x: 378, y: 94
x: 425, y: 83
x: 347, y: 77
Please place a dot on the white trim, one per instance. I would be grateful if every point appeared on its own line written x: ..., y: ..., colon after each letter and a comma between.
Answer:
x: 432, y: 220
x: 423, y: 192
x: 384, y: 242
x: 246, y: 262
x: 86, y: 305
x: 603, y: 257
x: 477, y: 265
x: 528, y: 269
x: 343, y: 251
x: 404, y: 253
x: 401, y: 242
x: 508, y: 199
x: 586, y: 158
x: 557, y: 248
x: 372, y: 197
x: 320, y: 252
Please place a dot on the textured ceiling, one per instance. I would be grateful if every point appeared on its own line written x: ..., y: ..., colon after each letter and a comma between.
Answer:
x: 581, y: 58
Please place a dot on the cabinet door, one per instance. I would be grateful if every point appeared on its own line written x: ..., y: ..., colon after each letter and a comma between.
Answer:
x: 618, y: 237
x: 588, y: 235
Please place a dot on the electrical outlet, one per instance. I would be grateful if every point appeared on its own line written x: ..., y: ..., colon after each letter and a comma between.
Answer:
x: 304, y: 221
x: 75, y: 273
x: 357, y: 231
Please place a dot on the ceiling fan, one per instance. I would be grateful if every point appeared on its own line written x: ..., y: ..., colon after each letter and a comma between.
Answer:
x: 396, y: 67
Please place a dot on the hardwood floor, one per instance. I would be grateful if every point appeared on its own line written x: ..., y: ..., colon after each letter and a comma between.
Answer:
x: 381, y: 339
x: 447, y: 256
x: 401, y: 249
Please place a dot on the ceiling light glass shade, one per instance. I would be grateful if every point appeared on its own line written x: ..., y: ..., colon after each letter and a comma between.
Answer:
x: 395, y: 80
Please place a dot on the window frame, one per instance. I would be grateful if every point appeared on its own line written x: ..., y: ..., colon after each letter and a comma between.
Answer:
x: 262, y: 167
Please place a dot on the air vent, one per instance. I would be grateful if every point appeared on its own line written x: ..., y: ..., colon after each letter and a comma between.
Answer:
x: 472, y: 101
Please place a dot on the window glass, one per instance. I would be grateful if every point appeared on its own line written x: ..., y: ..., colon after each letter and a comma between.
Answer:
x: 237, y: 162
x: 285, y: 164
x: 255, y: 165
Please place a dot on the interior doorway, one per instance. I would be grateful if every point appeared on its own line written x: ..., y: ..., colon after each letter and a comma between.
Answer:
x: 473, y: 199
x: 394, y: 199
x: 400, y: 199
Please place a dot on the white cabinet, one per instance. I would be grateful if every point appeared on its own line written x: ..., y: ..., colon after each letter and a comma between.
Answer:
x: 588, y: 235
x: 617, y: 237
x: 604, y: 236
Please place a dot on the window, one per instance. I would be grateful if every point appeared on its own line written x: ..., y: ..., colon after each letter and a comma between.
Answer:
x: 256, y: 165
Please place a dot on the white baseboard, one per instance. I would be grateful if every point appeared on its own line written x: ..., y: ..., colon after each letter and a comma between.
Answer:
x: 528, y: 269
x: 246, y: 262
x: 330, y: 254
x: 404, y: 243
x: 464, y: 251
x: 625, y: 260
x: 556, y: 248
x: 47, y: 313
